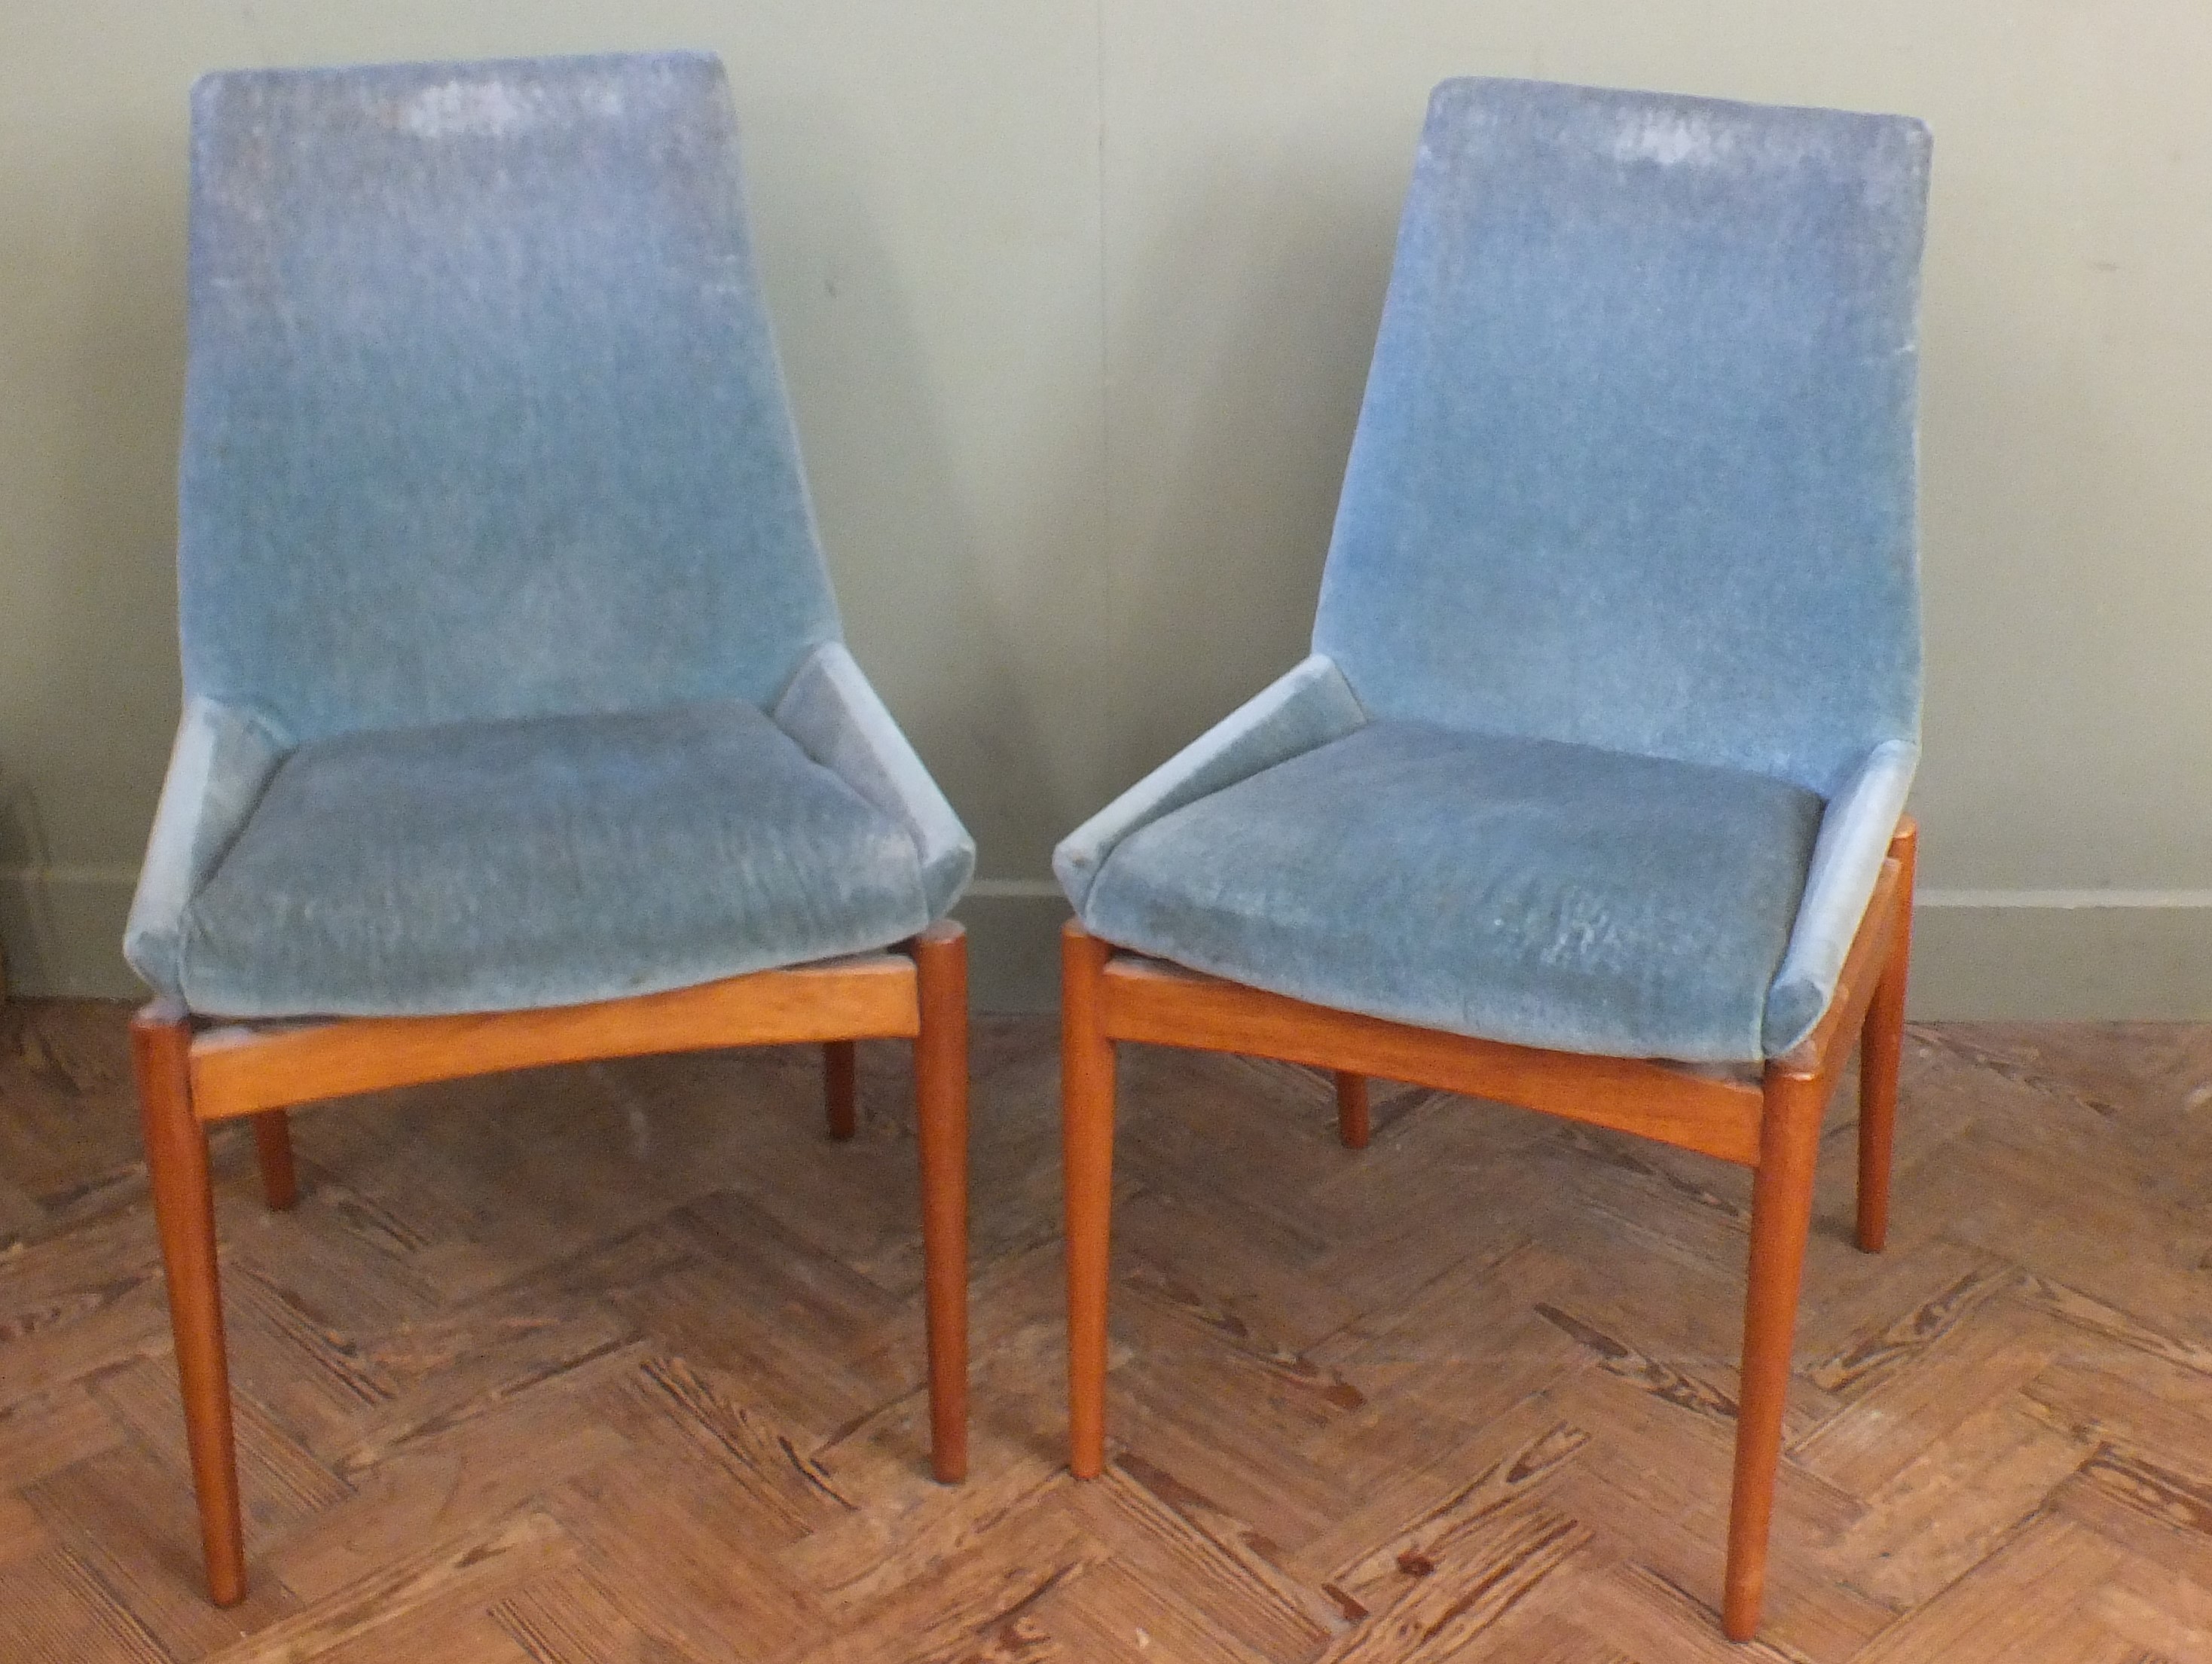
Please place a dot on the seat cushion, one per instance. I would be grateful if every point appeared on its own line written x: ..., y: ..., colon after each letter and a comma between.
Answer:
x: 541, y: 861
x: 1517, y: 890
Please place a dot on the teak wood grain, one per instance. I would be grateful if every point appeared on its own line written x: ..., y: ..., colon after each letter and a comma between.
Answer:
x: 841, y: 1088
x: 183, y: 1210
x: 1163, y: 1005
x: 243, y: 1070
x: 940, y: 1069
x: 1353, y: 1125
x: 1108, y: 996
x: 189, y: 1079
x: 1780, y: 1217
x: 1086, y: 1054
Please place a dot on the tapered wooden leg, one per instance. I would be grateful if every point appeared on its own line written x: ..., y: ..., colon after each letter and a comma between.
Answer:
x: 183, y: 1210
x: 1781, y: 1215
x: 1881, y: 1048
x: 840, y: 1086
x: 272, y: 1143
x: 1352, y: 1110
x: 940, y: 1060
x: 1086, y: 1108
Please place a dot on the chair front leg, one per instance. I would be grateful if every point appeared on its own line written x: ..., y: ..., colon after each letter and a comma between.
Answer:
x: 941, y: 955
x: 183, y: 1210
x: 1780, y: 1217
x: 1882, y: 1050
x: 1086, y: 1108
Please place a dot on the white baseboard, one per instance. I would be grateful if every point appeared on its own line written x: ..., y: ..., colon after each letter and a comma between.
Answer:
x: 2023, y: 954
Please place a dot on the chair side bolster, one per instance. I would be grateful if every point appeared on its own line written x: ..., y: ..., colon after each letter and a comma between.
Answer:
x: 222, y: 760
x: 1855, y: 833
x: 836, y: 717
x: 1309, y: 707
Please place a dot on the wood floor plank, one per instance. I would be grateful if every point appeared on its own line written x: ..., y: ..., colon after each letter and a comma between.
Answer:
x: 51, y: 1606
x: 2158, y: 1610
x: 1437, y: 1600
x: 468, y: 1571
x: 129, y: 1518
x: 1115, y: 1614
x: 49, y: 1431
x: 568, y: 1616
x: 2050, y: 1568
x: 23, y: 1533
x: 1956, y: 1501
x: 912, y: 1523
x: 281, y: 1481
x: 460, y: 1482
x: 79, y: 1302
x: 1229, y: 1575
x: 1990, y: 1356
x: 982, y: 1603
x: 682, y: 1551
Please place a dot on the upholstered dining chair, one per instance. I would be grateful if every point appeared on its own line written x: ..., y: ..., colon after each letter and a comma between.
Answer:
x: 518, y: 728
x: 1594, y: 778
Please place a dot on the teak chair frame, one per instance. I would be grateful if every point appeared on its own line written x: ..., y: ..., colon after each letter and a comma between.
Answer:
x: 1773, y: 1128
x: 192, y: 1073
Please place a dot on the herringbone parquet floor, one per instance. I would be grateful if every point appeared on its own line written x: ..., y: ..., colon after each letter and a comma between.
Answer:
x: 624, y: 1361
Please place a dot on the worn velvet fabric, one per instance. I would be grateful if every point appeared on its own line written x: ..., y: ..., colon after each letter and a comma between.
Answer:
x: 1553, y: 895
x: 1855, y: 837
x: 1307, y: 707
x: 1635, y: 467
x: 484, y: 423
x: 224, y: 758
x: 636, y: 852
x: 1634, y: 475
x: 835, y: 716
x: 481, y: 416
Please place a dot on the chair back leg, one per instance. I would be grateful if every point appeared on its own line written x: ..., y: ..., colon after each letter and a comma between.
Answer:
x: 183, y: 1210
x: 1881, y: 1049
x: 1781, y: 1216
x: 272, y: 1148
x: 840, y: 1086
x: 941, y: 955
x: 1351, y: 1121
x: 1086, y: 1108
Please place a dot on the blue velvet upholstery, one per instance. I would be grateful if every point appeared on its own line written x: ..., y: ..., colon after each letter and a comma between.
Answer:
x: 1634, y: 475
x: 1309, y: 707
x: 1635, y: 467
x: 1855, y: 836
x: 483, y: 417
x: 837, y: 718
x: 224, y: 758
x: 1523, y: 890
x: 486, y: 448
x: 636, y: 851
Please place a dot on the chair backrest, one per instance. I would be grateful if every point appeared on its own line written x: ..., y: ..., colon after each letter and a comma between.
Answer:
x: 483, y: 416
x: 1636, y: 465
